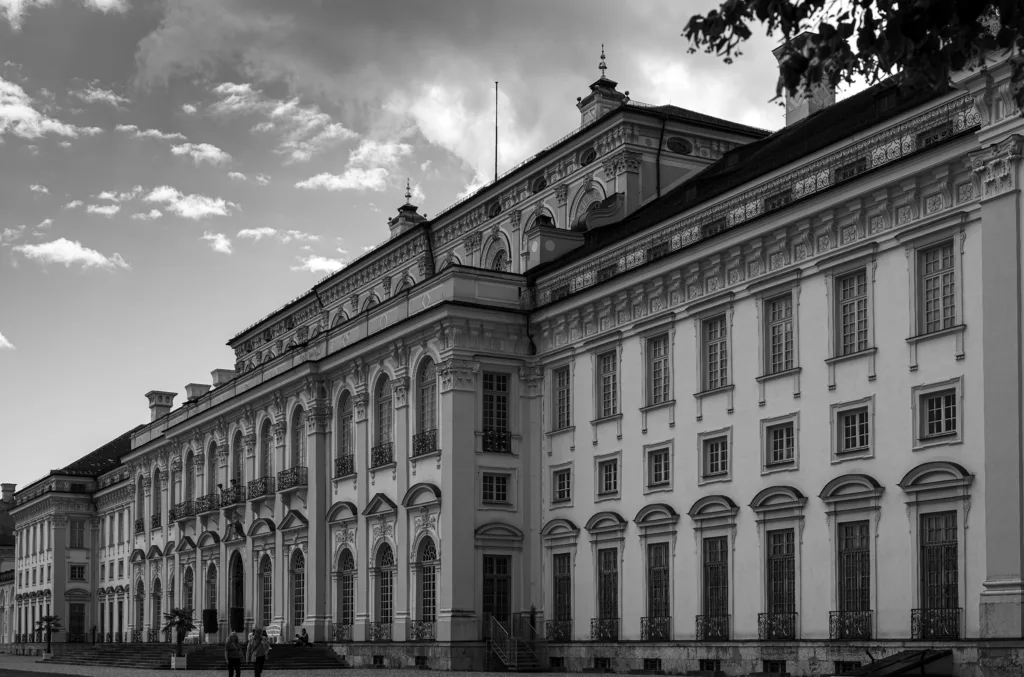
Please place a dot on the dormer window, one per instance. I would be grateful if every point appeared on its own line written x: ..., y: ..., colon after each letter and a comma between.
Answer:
x: 679, y: 145
x: 588, y: 156
x: 539, y: 184
x: 494, y: 209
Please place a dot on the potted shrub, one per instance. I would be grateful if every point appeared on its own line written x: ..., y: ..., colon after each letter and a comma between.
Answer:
x: 179, y: 621
x: 49, y: 624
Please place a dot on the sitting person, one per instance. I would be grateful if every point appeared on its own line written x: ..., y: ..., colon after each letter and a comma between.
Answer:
x: 305, y: 638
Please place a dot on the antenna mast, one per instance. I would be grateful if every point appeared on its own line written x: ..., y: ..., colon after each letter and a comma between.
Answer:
x: 495, y: 130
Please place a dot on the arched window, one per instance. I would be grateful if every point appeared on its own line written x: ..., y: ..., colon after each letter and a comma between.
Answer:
x: 211, y: 468
x: 428, y: 580
x: 211, y: 586
x: 188, y: 589
x: 382, y: 398
x: 500, y: 260
x: 266, y: 450
x: 190, y: 477
x: 298, y: 589
x: 299, y: 438
x: 345, y: 425
x: 347, y: 580
x: 385, y: 584
x: 236, y: 587
x: 237, y: 471
x: 158, y: 597
x: 140, y: 605
x: 426, y: 408
x: 266, y: 591
x: 157, y: 499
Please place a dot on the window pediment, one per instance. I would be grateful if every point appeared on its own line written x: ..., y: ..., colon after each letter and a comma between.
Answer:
x: 342, y: 511
x: 293, y: 520
x: 423, y: 493
x: 262, y: 527
x: 208, y: 539
x: 234, y: 532
x: 137, y: 556
x: 77, y: 594
x: 936, y: 480
x: 154, y: 552
x: 380, y: 505
x: 169, y: 549
x: 715, y: 510
x: 559, y: 531
x: 497, y: 532
x: 606, y: 522
x: 778, y: 502
x: 851, y: 487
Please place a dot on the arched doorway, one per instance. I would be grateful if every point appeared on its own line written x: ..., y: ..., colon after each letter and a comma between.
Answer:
x: 380, y: 628
x: 236, y: 594
x: 346, y: 596
x: 298, y: 589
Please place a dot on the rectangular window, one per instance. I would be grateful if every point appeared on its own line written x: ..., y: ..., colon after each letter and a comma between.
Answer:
x: 562, y: 398
x: 562, y: 588
x: 852, y: 297
x: 854, y: 564
x: 77, y: 572
x: 658, y: 470
x: 120, y: 569
x: 937, y: 288
x: 716, y: 353
x: 495, y: 401
x: 709, y: 664
x: 658, y: 594
x: 781, y: 444
x: 608, y: 477
x: 779, y: 332
x: 103, y: 572
x: 774, y: 667
x: 608, y: 583
x: 76, y: 619
x: 716, y: 456
x: 49, y: 570
x: 781, y: 574
x: 562, y: 486
x: 940, y: 578
x: 609, y: 383
x: 77, y: 533
x: 659, y: 376
x: 497, y: 589
x: 843, y: 667
x: 854, y: 431
x: 716, y: 577
x: 495, y: 488
x: 939, y: 413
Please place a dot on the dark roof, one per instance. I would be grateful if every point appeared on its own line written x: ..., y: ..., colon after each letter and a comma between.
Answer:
x: 688, y: 115
x: 744, y: 164
x: 103, y: 459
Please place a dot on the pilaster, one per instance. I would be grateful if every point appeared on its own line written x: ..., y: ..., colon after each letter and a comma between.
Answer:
x: 361, y: 450
x: 318, y: 495
x: 401, y: 420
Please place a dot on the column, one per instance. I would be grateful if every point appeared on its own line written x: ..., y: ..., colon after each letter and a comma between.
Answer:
x: 318, y: 536
x: 400, y: 390
x: 361, y: 449
x: 60, y: 568
x: 280, y: 430
x: 457, y: 580
x: 531, y: 380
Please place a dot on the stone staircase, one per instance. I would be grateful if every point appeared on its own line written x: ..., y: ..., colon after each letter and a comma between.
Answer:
x: 152, y: 656
x: 281, y: 657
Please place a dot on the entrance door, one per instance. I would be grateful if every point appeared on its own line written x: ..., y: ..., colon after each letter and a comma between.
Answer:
x: 497, y: 591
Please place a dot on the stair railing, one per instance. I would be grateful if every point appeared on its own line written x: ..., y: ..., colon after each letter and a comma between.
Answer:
x: 537, y: 645
x: 502, y: 644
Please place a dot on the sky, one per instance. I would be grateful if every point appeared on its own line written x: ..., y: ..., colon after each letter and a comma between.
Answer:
x: 172, y: 171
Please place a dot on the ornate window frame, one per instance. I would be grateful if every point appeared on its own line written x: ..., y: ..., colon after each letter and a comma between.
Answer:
x: 706, y: 436
x: 766, y: 290
x: 917, y: 394
x: 715, y: 516
x: 785, y: 466
x: 773, y: 514
x: 666, y: 328
x: 610, y: 344
x: 723, y: 306
x: 598, y: 461
x: 835, y: 268
x: 559, y: 537
x: 607, y: 529
x: 658, y: 523
x: 836, y: 412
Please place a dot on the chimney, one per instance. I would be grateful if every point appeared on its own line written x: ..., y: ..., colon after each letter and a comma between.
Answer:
x: 7, y: 491
x: 160, y: 403
x: 193, y: 391
x: 221, y: 376
x: 805, y: 103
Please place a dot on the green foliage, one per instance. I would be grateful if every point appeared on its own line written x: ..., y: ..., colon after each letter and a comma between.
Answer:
x: 179, y: 621
x: 49, y: 624
x: 923, y: 39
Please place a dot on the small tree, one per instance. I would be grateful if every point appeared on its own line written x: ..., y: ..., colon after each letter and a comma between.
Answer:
x: 49, y: 624
x: 180, y: 621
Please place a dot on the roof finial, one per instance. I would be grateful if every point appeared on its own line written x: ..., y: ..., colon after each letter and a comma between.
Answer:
x: 408, y: 193
x: 602, y: 66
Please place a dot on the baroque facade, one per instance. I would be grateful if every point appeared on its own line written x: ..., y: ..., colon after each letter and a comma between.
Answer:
x: 674, y: 394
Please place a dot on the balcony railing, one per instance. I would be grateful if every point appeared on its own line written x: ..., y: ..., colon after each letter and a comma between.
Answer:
x: 232, y: 495
x: 152, y: 635
x: 6, y: 576
x: 77, y: 638
x: 292, y: 477
x: 655, y: 628
x: 424, y: 442
x: 420, y: 631
x: 776, y: 626
x: 140, y: 525
x: 712, y: 628
x: 382, y: 454
x: 378, y: 632
x: 849, y: 624
x: 341, y: 632
x: 344, y: 466
x: 154, y: 521
x: 935, y: 623
x: 497, y: 441
x: 604, y: 629
x: 136, y: 636
x: 559, y: 631
x: 207, y: 503
x: 184, y: 510
x: 263, y: 486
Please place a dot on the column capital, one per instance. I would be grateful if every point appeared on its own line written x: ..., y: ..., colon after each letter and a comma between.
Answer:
x: 457, y: 374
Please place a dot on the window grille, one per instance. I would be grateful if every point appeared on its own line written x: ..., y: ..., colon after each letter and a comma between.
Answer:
x: 77, y: 572
x: 190, y: 484
x: 855, y: 430
x: 716, y: 576
x: 608, y: 365
x: 779, y: 312
x: 717, y: 353
x: 658, y: 595
x: 939, y: 562
x: 658, y: 370
x: 716, y: 456
x: 608, y: 583
x: 854, y: 567
x: 782, y: 443
x: 238, y: 471
x: 940, y: 413
x: 853, y: 313
x: 938, y: 288
x: 563, y: 398
x: 781, y: 572
x: 348, y: 598
x: 299, y: 439
x: 495, y: 414
x: 562, y: 588
x: 298, y: 588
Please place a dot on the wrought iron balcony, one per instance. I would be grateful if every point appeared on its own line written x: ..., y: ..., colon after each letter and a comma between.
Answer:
x: 292, y: 477
x: 264, y: 486
x: 935, y: 623
x: 655, y: 628
x: 849, y: 624
x: 712, y: 628
x: 184, y: 510
x: 207, y: 503
x: 154, y: 521
x: 604, y: 629
x: 378, y: 632
x: 776, y: 626
x: 152, y: 635
x: 497, y: 441
x: 232, y: 495
x: 344, y: 466
x: 559, y: 631
x: 341, y: 632
x: 420, y: 631
x: 140, y: 525
x: 382, y: 454
x: 424, y: 442
x: 77, y: 638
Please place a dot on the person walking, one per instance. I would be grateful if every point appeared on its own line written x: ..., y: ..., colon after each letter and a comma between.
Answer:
x: 233, y: 656
x: 256, y: 651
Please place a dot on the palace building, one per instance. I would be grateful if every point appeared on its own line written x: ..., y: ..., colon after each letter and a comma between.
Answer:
x: 674, y: 393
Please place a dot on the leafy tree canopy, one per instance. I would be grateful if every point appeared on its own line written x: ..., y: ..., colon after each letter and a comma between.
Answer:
x: 871, y: 39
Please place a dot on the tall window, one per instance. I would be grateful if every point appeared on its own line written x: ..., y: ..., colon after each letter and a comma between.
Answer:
x: 495, y: 401
x: 428, y: 580
x: 938, y: 288
x: 76, y: 619
x: 716, y: 353
x: 157, y: 502
x: 188, y: 589
x: 384, y: 410
x: 347, y: 582
x: 854, y: 567
x: 345, y: 425
x: 426, y: 409
x: 236, y: 582
x: 237, y: 471
x: 120, y: 527
x: 211, y: 586
x: 266, y: 450
x: 140, y: 499
x: 298, y: 588
x: 497, y: 588
x: 562, y: 587
x: 563, y: 398
x: 940, y: 580
x: 659, y: 375
x: 266, y: 591
x: 385, y: 584
x: 190, y: 478
x: 608, y: 373
x: 781, y: 572
x: 211, y: 468
x: 658, y: 598
x: 715, y: 598
x: 140, y: 605
x: 779, y: 333
x: 157, y: 604
x: 299, y: 438
x: 608, y: 583
x: 852, y: 296
x: 77, y: 533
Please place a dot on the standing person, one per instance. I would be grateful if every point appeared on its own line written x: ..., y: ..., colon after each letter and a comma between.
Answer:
x: 233, y: 656
x: 257, y: 650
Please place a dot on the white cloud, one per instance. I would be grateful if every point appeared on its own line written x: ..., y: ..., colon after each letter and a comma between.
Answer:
x: 104, y: 210
x: 218, y: 242
x: 417, y: 194
x: 65, y: 144
x: 150, y: 133
x: 261, y: 179
x: 237, y: 176
x: 14, y: 10
x: 188, y: 109
x: 120, y: 197
x: 319, y: 264
x: 202, y: 152
x: 20, y: 118
x: 67, y: 252
x: 425, y: 166
x: 256, y: 233
x: 190, y: 206
x: 9, y: 235
x: 5, y: 344
x: 45, y: 223
x: 343, y: 252
x: 353, y: 179
x: 37, y: 188
x: 236, y: 99
x: 73, y: 204
x: 289, y: 235
x: 368, y: 168
x: 93, y: 94
x: 153, y: 214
